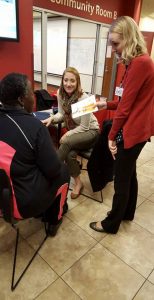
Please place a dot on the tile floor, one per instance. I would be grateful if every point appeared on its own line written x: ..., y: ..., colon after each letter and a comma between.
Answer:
x: 80, y: 263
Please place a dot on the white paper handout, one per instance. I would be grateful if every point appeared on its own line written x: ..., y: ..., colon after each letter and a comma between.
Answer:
x: 84, y: 107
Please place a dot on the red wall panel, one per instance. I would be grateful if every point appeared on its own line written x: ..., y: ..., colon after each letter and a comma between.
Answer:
x: 18, y: 56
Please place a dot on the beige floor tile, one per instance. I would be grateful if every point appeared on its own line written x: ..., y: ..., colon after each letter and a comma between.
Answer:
x: 37, y: 278
x: 142, y: 160
x: 146, y: 155
x: 87, y: 187
x: 147, y: 169
x: 30, y: 226
x: 146, y: 292
x: 87, y: 212
x: 59, y: 290
x: 150, y: 146
x: 62, y: 251
x: 133, y: 245
x: 7, y: 236
x: 146, y: 186
x: 27, y: 227
x: 140, y: 199
x: 151, y: 197
x: 145, y: 215
x: 151, y: 277
x: 74, y: 202
x: 101, y: 275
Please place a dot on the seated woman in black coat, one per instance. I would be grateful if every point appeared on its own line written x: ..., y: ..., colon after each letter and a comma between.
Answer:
x: 26, y: 149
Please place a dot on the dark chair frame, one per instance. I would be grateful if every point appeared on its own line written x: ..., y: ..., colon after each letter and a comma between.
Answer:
x: 86, y: 155
x: 6, y: 207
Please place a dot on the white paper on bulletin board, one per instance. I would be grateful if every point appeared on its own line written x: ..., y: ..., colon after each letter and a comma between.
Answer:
x: 81, y: 54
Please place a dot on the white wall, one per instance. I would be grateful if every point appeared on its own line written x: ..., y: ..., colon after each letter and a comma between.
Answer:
x: 147, y: 19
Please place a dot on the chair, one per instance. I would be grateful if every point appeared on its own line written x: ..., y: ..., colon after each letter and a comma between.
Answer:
x: 100, y: 164
x: 7, y: 211
x: 8, y: 205
x: 86, y: 155
x: 44, y: 102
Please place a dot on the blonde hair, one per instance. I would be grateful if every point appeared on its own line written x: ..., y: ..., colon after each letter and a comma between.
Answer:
x: 78, y: 90
x: 134, y: 43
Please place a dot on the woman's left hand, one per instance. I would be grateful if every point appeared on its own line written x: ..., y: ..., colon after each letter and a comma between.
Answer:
x: 113, y: 148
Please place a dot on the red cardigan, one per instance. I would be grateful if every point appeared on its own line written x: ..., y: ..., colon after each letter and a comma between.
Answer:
x: 135, y: 111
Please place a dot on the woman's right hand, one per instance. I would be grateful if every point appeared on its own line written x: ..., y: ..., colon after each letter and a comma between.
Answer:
x: 113, y: 148
x: 48, y: 121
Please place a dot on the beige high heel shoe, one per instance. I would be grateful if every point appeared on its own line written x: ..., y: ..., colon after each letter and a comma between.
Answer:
x: 74, y: 195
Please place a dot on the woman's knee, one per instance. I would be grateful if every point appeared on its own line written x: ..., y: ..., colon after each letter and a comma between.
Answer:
x: 72, y: 155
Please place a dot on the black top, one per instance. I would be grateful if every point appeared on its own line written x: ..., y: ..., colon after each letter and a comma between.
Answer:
x: 34, y: 172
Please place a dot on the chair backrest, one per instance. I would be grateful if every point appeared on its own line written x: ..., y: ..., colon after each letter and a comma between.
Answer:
x: 6, y: 200
x: 44, y: 100
x: 6, y: 155
x: 62, y: 191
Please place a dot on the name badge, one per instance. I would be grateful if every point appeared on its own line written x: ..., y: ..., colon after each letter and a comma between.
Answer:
x: 119, y: 91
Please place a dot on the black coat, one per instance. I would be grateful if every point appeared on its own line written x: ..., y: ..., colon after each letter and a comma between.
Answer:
x: 35, y: 173
x: 101, y: 164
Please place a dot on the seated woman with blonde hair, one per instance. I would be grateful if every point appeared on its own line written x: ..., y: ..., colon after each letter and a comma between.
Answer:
x: 82, y: 131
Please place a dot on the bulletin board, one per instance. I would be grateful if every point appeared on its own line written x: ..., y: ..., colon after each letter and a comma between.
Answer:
x: 81, y: 54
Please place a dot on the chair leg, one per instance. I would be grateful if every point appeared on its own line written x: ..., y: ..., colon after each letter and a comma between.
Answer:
x: 85, y: 169
x: 94, y: 198
x: 14, y: 285
x: 101, y: 196
x: 70, y: 189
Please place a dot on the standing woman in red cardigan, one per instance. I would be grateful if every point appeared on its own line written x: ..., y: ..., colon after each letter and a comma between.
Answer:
x: 133, y: 122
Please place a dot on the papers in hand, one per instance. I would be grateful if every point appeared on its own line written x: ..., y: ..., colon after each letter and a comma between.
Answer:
x: 84, y: 107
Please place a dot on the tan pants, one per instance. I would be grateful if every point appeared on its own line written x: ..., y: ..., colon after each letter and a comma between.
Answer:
x: 69, y: 149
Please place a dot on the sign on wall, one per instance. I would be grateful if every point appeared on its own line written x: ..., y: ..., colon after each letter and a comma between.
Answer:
x: 98, y: 10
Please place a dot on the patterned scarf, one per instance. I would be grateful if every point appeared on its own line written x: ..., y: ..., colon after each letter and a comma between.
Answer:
x: 66, y: 105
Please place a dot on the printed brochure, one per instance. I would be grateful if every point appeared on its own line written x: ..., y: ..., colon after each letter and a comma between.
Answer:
x: 84, y: 107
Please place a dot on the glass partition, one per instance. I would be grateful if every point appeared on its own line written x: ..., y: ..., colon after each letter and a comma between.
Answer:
x: 61, y: 41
